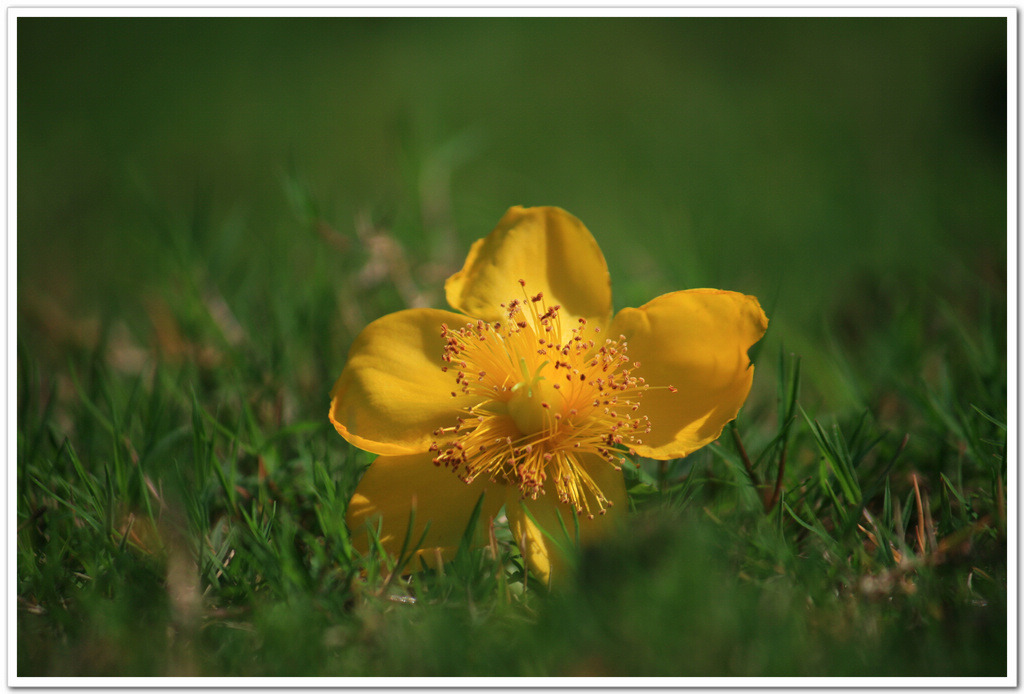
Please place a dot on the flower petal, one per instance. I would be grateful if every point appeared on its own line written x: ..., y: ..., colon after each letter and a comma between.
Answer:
x: 394, y: 485
x: 392, y: 393
x: 548, y: 248
x: 546, y: 558
x: 696, y: 341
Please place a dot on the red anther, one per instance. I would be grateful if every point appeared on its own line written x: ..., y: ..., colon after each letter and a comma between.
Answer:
x: 522, y: 283
x: 673, y: 389
x: 583, y: 377
x: 540, y: 295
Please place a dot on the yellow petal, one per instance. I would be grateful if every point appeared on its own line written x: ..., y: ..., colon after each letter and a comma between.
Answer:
x: 548, y: 248
x: 696, y: 341
x: 392, y: 393
x: 394, y: 485
x: 546, y: 558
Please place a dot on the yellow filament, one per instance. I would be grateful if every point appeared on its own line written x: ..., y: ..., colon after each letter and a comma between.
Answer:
x: 545, y: 403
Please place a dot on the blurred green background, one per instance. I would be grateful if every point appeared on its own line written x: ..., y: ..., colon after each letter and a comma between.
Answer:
x: 816, y: 163
x: 210, y: 209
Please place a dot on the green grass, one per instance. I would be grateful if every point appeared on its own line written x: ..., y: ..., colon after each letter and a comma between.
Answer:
x: 188, y: 289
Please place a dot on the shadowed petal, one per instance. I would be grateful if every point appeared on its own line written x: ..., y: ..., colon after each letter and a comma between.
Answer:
x: 392, y: 393
x: 394, y: 485
x: 696, y: 341
x: 545, y: 557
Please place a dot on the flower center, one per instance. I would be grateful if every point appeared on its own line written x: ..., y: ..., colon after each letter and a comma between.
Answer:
x: 549, y: 400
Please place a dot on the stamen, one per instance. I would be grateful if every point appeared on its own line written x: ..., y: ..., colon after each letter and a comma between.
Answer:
x: 526, y: 430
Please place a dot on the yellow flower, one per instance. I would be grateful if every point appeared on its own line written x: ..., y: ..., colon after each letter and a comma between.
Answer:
x: 534, y: 393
